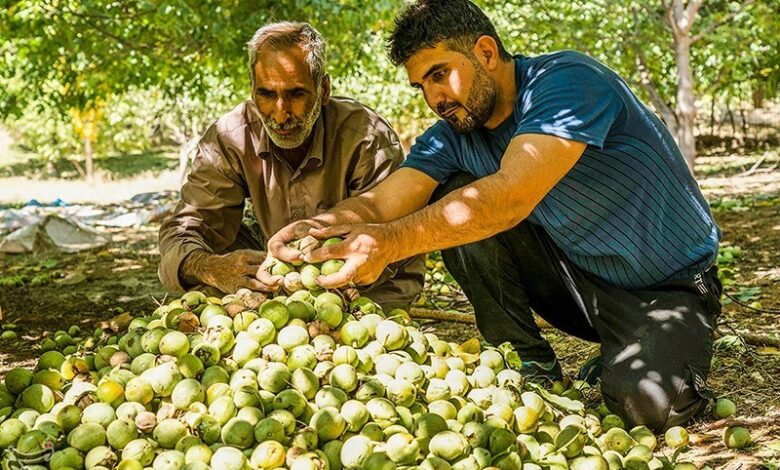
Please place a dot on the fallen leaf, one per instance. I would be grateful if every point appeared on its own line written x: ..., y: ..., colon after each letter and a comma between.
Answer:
x: 774, y: 446
x: 562, y: 403
x: 73, y: 278
x: 50, y: 263
x: 118, y: 323
x: 471, y: 346
x: 468, y: 351
x: 511, y: 357
x: 130, y: 282
x: 768, y: 351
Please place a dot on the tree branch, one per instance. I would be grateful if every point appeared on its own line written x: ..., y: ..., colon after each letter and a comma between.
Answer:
x: 716, y: 24
x: 126, y: 16
x: 670, y: 17
x: 716, y: 84
x: 645, y: 79
x: 690, y: 15
x: 655, y: 97
x: 90, y: 23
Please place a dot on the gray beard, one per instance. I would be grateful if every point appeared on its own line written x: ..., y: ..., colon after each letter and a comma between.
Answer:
x: 295, y: 140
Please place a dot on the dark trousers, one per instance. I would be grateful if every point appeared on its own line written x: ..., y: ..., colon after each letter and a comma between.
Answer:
x: 656, y: 343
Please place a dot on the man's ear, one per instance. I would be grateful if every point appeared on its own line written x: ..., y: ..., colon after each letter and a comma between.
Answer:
x: 325, y: 89
x: 486, y: 50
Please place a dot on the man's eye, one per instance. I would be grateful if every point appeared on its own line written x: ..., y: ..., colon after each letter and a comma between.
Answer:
x: 265, y: 94
x: 439, y: 75
x: 297, y: 93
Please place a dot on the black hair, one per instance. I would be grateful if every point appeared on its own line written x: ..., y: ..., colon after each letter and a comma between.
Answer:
x: 425, y: 23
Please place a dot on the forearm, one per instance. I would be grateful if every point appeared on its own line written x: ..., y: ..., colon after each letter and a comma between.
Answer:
x: 469, y: 214
x: 354, y: 210
x: 403, y: 192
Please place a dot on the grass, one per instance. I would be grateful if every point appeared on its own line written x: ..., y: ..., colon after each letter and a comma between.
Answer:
x: 715, y: 165
x: 18, y: 163
x: 25, y: 176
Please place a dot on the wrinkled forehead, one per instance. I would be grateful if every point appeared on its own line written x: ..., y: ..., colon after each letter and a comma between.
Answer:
x: 283, y: 66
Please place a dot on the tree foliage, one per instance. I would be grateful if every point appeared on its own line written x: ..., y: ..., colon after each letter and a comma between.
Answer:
x: 57, y: 56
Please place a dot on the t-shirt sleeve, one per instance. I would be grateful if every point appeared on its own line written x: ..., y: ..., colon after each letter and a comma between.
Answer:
x: 572, y: 100
x: 434, y: 153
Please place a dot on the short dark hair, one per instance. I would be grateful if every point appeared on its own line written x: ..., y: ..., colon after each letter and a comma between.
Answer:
x: 425, y: 23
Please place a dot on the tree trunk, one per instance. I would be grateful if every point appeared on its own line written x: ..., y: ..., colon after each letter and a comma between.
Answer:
x: 758, y: 95
x: 88, y: 158
x: 686, y: 101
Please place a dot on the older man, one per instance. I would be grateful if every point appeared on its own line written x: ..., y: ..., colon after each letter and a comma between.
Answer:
x: 292, y: 150
x: 557, y: 190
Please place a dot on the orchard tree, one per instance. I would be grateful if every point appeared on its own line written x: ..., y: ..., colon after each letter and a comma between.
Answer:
x: 73, y: 56
x: 671, y: 51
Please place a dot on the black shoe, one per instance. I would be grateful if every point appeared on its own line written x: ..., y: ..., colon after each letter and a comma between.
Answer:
x: 590, y: 372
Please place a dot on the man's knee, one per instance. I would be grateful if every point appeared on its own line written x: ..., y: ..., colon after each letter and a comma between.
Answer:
x: 652, y: 400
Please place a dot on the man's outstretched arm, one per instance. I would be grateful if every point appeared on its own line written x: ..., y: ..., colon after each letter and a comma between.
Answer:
x: 406, y: 190
x: 530, y: 167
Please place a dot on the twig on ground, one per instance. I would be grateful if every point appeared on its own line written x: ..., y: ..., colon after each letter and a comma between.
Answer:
x: 441, y: 315
x: 753, y: 168
x: 772, y: 417
x: 754, y: 340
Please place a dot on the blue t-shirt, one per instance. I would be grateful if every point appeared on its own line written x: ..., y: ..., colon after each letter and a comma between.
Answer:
x: 629, y: 211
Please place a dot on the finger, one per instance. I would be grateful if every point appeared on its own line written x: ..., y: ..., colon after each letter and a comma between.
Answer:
x: 329, y: 232
x: 289, y: 255
x: 255, y: 285
x: 279, y: 249
x: 274, y: 282
x: 263, y: 275
x: 340, y: 278
x: 337, y: 251
x: 351, y: 293
x: 277, y: 245
x: 249, y: 269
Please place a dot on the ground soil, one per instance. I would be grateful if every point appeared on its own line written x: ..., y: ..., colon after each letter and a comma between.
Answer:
x: 89, y: 287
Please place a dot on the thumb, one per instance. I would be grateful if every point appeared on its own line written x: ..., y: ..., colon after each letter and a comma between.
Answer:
x: 340, y: 278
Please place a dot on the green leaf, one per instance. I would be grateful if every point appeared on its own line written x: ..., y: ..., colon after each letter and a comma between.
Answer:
x: 511, y: 357
x: 50, y: 263
x: 562, y: 403
x: 748, y: 294
x: 774, y: 446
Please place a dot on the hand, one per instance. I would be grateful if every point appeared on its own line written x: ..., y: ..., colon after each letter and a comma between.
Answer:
x: 232, y: 271
x: 366, y: 251
x: 277, y: 245
x: 263, y: 274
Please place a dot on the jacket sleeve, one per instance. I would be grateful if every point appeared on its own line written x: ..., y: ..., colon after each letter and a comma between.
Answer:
x: 209, y: 213
x: 377, y: 156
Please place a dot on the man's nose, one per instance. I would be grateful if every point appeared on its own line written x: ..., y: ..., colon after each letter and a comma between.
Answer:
x: 436, y: 97
x: 281, y: 111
